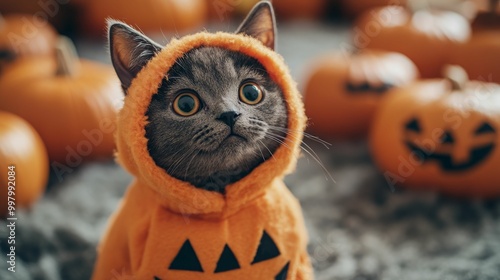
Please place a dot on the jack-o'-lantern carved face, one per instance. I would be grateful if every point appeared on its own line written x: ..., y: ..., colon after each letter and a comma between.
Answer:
x: 431, y: 135
x: 6, y: 57
x: 343, y: 92
x: 443, y: 154
x: 367, y: 88
x: 376, y: 72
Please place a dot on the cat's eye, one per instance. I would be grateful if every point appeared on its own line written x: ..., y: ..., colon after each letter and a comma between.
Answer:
x: 251, y: 93
x: 186, y: 104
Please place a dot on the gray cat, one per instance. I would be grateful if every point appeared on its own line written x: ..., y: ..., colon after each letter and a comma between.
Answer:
x: 217, y: 114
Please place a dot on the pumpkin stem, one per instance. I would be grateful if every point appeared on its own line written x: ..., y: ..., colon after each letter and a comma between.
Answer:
x: 67, y: 58
x: 457, y: 77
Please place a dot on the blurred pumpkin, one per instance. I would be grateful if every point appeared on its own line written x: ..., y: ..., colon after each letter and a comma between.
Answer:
x: 148, y: 16
x: 71, y: 103
x: 487, y: 5
x: 425, y: 36
x: 285, y: 9
x: 344, y: 90
x: 467, y: 8
x: 21, y: 35
x: 480, y: 55
x: 21, y: 147
x: 62, y: 14
x: 441, y: 134
x: 243, y: 7
x: 310, y: 9
x: 357, y: 7
x: 221, y: 10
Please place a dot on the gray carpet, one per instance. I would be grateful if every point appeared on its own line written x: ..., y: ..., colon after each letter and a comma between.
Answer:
x: 359, y: 229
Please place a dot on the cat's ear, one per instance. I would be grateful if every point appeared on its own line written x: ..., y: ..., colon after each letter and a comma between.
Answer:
x: 261, y: 24
x: 130, y: 51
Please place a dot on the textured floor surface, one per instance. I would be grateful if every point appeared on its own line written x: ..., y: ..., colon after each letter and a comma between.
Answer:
x: 359, y: 228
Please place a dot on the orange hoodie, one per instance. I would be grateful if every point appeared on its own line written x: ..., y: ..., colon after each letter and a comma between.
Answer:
x: 167, y: 229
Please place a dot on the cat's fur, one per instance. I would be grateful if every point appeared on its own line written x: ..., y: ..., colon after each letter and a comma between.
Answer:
x: 199, y: 148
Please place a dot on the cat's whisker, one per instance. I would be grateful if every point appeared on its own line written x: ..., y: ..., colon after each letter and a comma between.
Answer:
x: 303, y: 143
x: 189, y: 163
x: 263, y: 157
x: 178, y: 162
x: 312, y: 154
x: 279, y: 141
x: 307, y: 135
x: 265, y: 146
x: 306, y: 146
x: 281, y: 138
x: 173, y: 156
x: 317, y: 139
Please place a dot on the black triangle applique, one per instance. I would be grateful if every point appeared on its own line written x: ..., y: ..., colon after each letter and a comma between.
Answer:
x: 283, y: 273
x: 227, y: 261
x: 186, y: 259
x: 267, y: 249
x: 156, y: 278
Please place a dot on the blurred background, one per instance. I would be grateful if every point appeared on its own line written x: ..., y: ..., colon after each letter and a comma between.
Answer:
x: 404, y: 92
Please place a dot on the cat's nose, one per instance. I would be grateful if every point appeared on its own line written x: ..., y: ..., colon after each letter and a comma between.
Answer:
x: 228, y: 118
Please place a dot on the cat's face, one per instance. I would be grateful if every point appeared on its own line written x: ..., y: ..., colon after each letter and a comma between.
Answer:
x: 217, y: 114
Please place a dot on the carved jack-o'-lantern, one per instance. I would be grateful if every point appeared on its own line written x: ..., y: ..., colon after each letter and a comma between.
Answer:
x: 343, y: 91
x: 442, y: 135
x: 425, y: 36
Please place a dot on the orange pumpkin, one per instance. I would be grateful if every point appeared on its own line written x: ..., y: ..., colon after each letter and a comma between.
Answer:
x: 344, y: 91
x: 357, y: 7
x: 467, y: 8
x: 23, y: 163
x: 425, y: 36
x: 71, y: 103
x: 441, y: 134
x: 243, y: 7
x: 486, y: 5
x: 21, y: 35
x: 148, y: 16
x: 222, y: 10
x: 62, y: 14
x: 480, y: 55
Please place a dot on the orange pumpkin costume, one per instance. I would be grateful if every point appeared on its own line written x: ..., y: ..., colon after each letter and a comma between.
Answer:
x: 167, y: 229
